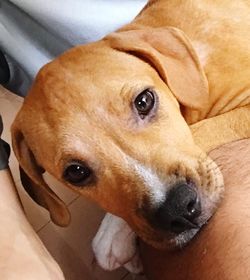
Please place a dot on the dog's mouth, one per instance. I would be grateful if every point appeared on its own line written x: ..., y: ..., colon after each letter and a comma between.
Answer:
x: 209, y: 205
x: 166, y: 239
x: 188, y: 206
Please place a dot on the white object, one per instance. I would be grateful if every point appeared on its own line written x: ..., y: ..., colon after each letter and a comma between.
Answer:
x: 115, y: 245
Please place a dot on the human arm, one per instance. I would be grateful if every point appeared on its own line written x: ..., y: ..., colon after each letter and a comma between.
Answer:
x: 22, y: 254
x: 221, y: 250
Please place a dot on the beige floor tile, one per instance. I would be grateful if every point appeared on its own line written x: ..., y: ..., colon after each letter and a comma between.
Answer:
x: 74, y: 265
x: 71, y: 246
x: 60, y: 248
x: 35, y: 214
x: 62, y: 191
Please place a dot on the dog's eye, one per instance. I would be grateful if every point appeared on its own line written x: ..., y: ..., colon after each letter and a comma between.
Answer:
x: 77, y: 174
x: 144, y: 102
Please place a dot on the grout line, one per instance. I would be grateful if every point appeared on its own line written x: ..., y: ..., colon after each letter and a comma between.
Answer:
x: 43, y: 226
x: 73, y: 200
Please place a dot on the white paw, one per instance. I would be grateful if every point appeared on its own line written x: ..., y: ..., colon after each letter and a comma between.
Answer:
x: 115, y: 245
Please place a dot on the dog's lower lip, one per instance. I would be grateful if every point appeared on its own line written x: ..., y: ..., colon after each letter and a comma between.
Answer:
x: 177, y: 227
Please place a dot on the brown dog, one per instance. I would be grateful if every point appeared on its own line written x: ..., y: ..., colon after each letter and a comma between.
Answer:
x: 110, y: 119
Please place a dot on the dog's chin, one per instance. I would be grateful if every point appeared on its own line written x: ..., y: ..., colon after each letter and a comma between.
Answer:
x: 183, y: 238
x: 167, y: 241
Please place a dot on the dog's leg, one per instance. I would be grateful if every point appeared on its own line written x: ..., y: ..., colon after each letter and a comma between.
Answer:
x: 228, y: 127
x: 115, y: 245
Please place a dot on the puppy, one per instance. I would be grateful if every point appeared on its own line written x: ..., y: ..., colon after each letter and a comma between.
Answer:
x: 111, y: 119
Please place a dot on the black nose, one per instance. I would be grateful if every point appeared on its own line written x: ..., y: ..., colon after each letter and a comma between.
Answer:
x: 180, y: 209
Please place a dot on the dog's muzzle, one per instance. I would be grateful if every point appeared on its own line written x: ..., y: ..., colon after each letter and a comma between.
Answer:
x: 179, y: 211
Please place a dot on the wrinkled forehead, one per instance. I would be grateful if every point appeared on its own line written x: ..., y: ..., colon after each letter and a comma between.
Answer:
x: 91, y: 75
x: 93, y: 66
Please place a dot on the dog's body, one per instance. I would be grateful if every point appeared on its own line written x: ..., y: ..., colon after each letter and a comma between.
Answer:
x: 182, y: 58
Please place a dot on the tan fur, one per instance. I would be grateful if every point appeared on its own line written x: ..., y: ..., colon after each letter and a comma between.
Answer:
x: 80, y: 107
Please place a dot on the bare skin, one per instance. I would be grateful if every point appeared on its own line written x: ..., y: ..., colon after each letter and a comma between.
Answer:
x: 221, y: 251
x: 19, y: 244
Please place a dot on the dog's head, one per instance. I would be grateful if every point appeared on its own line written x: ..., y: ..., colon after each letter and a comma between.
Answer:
x: 105, y: 120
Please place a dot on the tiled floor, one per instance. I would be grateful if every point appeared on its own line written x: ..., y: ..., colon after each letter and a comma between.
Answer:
x: 71, y: 246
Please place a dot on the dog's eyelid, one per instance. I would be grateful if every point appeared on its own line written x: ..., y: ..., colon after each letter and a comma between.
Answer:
x: 144, y: 88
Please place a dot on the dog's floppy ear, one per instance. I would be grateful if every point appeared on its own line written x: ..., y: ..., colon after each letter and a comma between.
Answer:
x: 33, y: 182
x: 169, y: 51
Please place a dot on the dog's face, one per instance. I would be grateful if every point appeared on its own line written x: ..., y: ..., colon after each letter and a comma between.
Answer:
x: 106, y: 123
